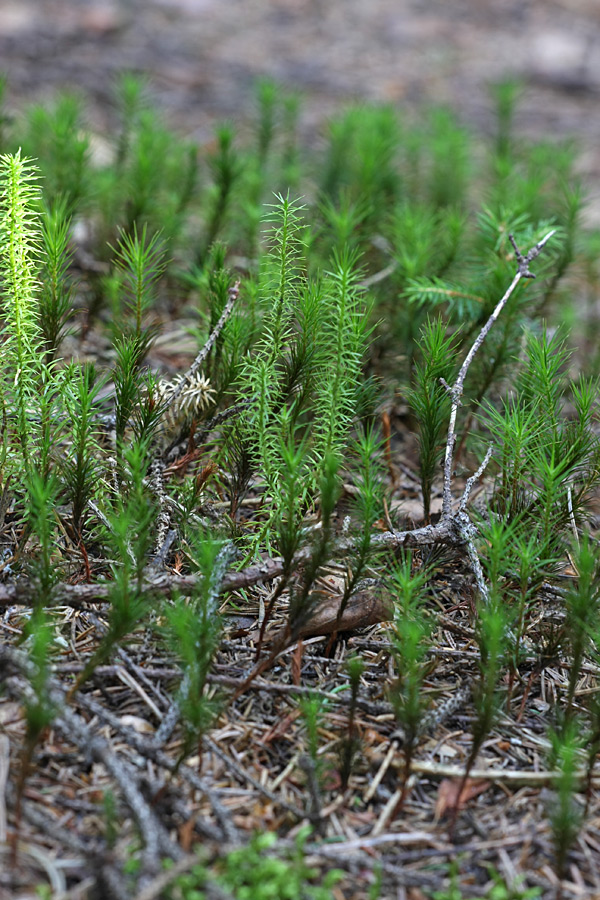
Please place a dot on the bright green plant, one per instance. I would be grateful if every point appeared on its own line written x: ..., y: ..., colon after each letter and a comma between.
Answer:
x: 351, y: 744
x: 361, y: 155
x: 430, y: 402
x: 55, y: 135
x: 505, y: 94
x: 267, y: 392
x: 312, y: 710
x: 252, y: 867
x: 111, y: 818
x: 302, y: 380
x: 55, y: 292
x: 517, y: 562
x: 582, y: 607
x: 140, y: 263
x: 267, y: 97
x: 153, y: 177
x: 42, y: 491
x: 303, y: 598
x: 39, y: 706
x: 499, y: 890
x: 346, y: 331
x: 22, y: 356
x: 367, y: 509
x: 132, y: 99
x: 491, y: 634
x: 285, y: 405
x: 453, y: 891
x: 136, y: 405
x: 131, y: 523
x: 288, y: 519
x: 212, y: 284
x: 343, y: 220
x: 254, y: 873
x: 194, y: 630
x: 81, y: 467
x: 565, y: 812
x: 549, y: 464
x: 469, y: 299
x: 225, y: 168
x: 411, y: 637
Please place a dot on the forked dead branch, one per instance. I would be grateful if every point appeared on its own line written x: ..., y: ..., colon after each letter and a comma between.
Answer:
x: 454, y: 527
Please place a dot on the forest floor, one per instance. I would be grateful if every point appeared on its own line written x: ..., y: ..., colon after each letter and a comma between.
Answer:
x: 202, y: 58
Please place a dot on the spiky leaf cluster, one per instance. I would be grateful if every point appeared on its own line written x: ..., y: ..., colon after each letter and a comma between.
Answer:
x: 19, y: 249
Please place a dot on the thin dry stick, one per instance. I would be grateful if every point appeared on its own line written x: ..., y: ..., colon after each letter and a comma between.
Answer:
x: 4, y: 767
x: 151, y: 748
x: 104, y: 521
x: 157, y: 842
x: 464, y: 527
x: 163, y: 518
x: 456, y: 390
x: 77, y: 596
x: 227, y: 310
x: 515, y: 778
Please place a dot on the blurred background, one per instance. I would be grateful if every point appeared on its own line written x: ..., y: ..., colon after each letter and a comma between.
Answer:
x: 203, y: 58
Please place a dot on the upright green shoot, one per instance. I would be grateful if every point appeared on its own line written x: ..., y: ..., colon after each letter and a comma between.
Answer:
x: 283, y: 269
x: 81, y: 466
x: 194, y: 634
x: 42, y: 491
x: 506, y: 95
x: 303, y: 598
x: 312, y: 709
x: 39, y: 706
x: 582, y: 606
x: 267, y: 97
x: 362, y: 155
x: 368, y: 507
x: 411, y: 638
x: 225, y: 167
x: 351, y: 743
x: 346, y: 333
x: 140, y: 263
x: 491, y: 632
x: 549, y: 464
x: 129, y: 384
x: 290, y: 158
x: 56, y: 137
x: 565, y: 812
x: 55, y: 293
x: 448, y: 145
x: 19, y: 247
x: 131, y: 96
x: 430, y: 401
x: 288, y: 517
x: 131, y: 524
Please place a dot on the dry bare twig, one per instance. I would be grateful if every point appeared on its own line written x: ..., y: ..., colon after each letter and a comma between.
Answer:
x: 14, y: 669
x: 234, y: 292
